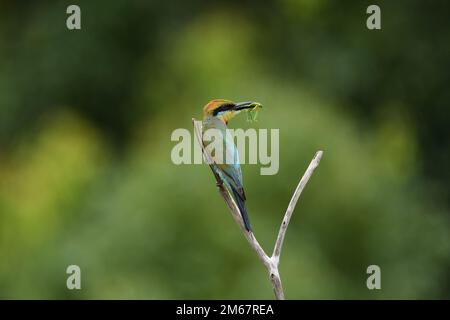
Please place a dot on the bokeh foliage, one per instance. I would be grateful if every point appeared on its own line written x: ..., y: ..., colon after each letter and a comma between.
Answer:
x: 85, y: 170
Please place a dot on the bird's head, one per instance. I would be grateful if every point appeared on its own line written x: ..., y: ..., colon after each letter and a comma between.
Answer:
x: 225, y: 109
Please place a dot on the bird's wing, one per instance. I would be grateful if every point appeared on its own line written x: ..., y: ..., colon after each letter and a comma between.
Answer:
x: 232, y: 169
x: 232, y: 177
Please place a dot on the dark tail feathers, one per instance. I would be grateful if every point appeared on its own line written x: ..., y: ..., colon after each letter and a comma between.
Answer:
x: 241, y: 204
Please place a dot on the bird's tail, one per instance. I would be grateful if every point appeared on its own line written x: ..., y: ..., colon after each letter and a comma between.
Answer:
x: 241, y: 204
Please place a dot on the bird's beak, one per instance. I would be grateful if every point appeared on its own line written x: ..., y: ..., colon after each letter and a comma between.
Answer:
x: 246, y: 105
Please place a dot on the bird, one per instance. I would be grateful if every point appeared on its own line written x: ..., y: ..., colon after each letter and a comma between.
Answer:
x: 216, y: 115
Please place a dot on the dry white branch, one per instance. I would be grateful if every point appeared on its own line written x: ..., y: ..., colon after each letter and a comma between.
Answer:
x: 287, y: 217
x: 271, y: 263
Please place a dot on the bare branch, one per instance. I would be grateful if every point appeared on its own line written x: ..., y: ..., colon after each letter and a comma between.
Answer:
x: 290, y: 209
x: 271, y: 263
x: 276, y: 284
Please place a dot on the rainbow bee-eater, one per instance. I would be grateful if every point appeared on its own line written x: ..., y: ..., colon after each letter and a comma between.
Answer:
x: 216, y: 115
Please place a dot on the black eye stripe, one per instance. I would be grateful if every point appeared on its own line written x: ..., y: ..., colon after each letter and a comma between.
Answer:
x: 223, y: 107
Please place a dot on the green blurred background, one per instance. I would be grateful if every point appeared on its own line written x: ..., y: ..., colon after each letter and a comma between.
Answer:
x: 85, y: 170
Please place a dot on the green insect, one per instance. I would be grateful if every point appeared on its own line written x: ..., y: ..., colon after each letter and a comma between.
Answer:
x: 252, y: 113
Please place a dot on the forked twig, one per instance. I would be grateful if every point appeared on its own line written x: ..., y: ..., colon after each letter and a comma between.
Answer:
x: 271, y: 263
